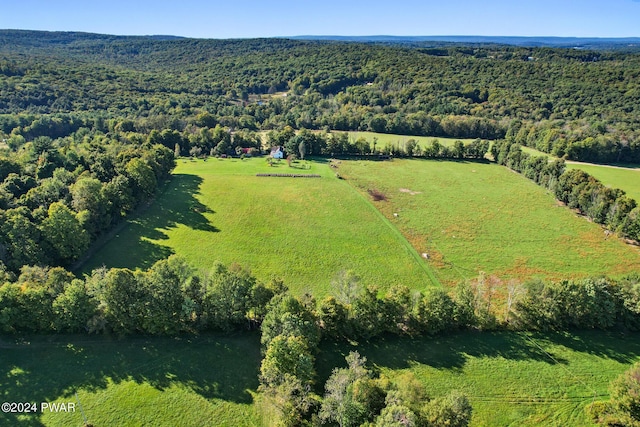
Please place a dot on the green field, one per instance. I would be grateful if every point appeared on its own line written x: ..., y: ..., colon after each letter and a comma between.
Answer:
x: 510, y: 378
x: 622, y: 176
x: 384, y: 139
x: 472, y: 216
x: 303, y: 230
x: 626, y: 179
x: 207, y: 380
x: 468, y: 217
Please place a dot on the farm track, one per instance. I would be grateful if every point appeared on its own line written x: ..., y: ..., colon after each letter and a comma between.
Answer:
x: 412, y: 251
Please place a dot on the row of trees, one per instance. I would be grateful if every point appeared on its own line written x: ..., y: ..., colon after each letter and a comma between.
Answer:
x: 167, y: 299
x: 610, y: 207
x: 339, y: 143
x: 170, y: 298
x: 56, y: 196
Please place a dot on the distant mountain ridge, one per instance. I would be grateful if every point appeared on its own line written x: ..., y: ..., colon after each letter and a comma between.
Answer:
x: 39, y: 38
x: 568, y: 42
x: 36, y: 38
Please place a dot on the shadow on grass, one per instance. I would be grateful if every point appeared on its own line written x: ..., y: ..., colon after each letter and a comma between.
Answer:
x: 599, y: 343
x: 178, y: 205
x: 451, y: 352
x: 47, y: 368
x: 134, y: 246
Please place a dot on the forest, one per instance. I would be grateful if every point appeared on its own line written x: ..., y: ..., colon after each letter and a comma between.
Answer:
x: 575, y: 103
x: 91, y: 127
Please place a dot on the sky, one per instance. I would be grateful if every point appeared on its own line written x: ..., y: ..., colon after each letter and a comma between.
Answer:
x: 254, y: 18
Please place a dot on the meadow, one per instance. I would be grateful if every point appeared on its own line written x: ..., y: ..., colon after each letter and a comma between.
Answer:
x: 624, y: 178
x: 302, y: 230
x: 473, y: 217
x: 384, y: 139
x: 510, y: 378
x: 133, y: 381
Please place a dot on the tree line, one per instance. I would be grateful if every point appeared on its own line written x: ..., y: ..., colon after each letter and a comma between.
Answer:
x: 587, y: 141
x: 171, y: 298
x: 610, y: 207
x: 58, y: 195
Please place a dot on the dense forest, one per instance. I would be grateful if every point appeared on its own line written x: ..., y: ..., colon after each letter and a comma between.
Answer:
x: 575, y: 103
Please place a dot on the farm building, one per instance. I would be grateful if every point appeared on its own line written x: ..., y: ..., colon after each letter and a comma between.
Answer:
x: 277, y: 152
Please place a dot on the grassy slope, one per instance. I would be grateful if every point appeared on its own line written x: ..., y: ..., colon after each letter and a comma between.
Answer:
x: 472, y: 217
x: 623, y: 176
x: 392, y: 139
x: 511, y: 379
x: 195, y: 381
x: 303, y: 230
x: 625, y: 179
x: 384, y: 139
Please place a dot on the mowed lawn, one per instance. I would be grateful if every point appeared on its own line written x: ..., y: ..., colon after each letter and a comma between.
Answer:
x: 511, y: 379
x: 197, y: 381
x: 472, y: 217
x: 303, y: 230
x: 626, y: 179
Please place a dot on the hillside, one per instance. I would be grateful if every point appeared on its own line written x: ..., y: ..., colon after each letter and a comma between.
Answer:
x: 581, y: 103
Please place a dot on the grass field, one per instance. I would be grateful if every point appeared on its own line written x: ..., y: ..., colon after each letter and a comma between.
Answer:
x: 196, y: 381
x: 510, y: 378
x: 471, y: 217
x: 626, y: 179
x: 384, y: 139
x: 304, y: 230
x: 623, y: 176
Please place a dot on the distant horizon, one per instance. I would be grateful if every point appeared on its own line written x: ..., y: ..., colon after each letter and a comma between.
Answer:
x: 337, y: 36
x: 276, y: 18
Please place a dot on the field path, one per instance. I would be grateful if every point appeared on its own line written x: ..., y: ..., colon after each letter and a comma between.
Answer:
x: 412, y: 251
x: 572, y: 162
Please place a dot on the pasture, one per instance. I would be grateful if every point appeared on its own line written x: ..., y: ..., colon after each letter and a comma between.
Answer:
x: 472, y: 217
x: 303, y: 230
x: 510, y: 378
x: 627, y: 179
x: 384, y: 139
x: 195, y: 381
x: 623, y: 176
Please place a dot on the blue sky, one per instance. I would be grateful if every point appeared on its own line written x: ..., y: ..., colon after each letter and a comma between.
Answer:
x: 253, y: 18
